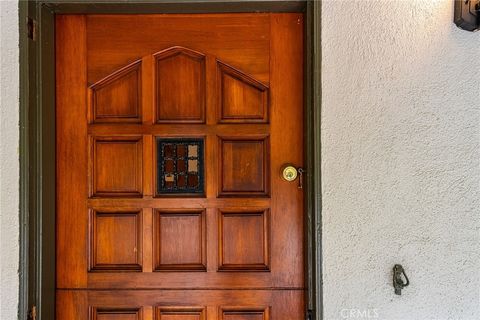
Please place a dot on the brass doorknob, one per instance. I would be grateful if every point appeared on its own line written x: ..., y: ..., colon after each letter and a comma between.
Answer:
x: 289, y: 173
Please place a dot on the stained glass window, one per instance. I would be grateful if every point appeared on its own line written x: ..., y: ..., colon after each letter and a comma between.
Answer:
x: 180, y: 166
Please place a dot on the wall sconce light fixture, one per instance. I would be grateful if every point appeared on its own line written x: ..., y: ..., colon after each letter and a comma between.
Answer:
x: 467, y: 14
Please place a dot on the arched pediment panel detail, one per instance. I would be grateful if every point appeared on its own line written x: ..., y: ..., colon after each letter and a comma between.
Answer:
x: 179, y: 91
x: 241, y: 98
x: 180, y: 86
x: 117, y: 97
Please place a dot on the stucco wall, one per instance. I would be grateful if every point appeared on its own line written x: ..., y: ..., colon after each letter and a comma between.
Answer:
x: 401, y: 160
x: 9, y: 174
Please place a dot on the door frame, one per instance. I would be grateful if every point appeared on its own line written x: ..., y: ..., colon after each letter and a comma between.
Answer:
x: 37, y: 134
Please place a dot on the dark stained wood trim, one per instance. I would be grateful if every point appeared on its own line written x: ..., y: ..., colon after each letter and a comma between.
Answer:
x: 37, y: 156
x: 26, y: 64
x: 37, y: 134
x: 313, y: 198
x: 174, y: 6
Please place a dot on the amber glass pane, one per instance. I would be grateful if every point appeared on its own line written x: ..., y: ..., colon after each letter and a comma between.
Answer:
x: 181, y: 151
x: 181, y: 181
x: 181, y: 166
x: 192, y: 180
x: 169, y: 166
x: 169, y: 150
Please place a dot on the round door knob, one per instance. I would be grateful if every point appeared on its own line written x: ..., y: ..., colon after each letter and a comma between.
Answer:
x: 289, y: 173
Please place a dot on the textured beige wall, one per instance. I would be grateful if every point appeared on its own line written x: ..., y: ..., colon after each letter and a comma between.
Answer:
x: 401, y: 160
x: 9, y: 166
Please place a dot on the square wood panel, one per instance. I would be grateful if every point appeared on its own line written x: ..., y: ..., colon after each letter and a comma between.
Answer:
x: 180, y: 240
x: 115, y: 239
x: 244, y: 313
x: 116, y: 314
x: 244, y: 166
x: 116, y: 166
x: 244, y: 240
x: 180, y: 313
x: 117, y: 97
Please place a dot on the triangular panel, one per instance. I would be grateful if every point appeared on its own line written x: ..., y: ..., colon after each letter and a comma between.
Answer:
x: 117, y: 97
x: 241, y: 98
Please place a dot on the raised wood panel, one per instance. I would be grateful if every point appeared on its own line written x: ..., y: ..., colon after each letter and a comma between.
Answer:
x: 180, y: 240
x: 244, y: 313
x: 241, y: 98
x: 116, y: 166
x: 244, y: 240
x: 117, y: 98
x: 115, y: 239
x: 116, y: 314
x: 180, y: 313
x: 244, y: 166
x: 180, y: 86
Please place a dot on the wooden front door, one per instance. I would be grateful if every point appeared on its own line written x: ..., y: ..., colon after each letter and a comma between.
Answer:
x: 172, y: 131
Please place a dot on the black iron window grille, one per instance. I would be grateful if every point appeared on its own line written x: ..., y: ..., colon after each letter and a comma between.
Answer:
x: 180, y: 166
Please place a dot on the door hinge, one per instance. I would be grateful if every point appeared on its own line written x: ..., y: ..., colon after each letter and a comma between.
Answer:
x: 32, y: 29
x: 32, y: 315
x: 309, y: 315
